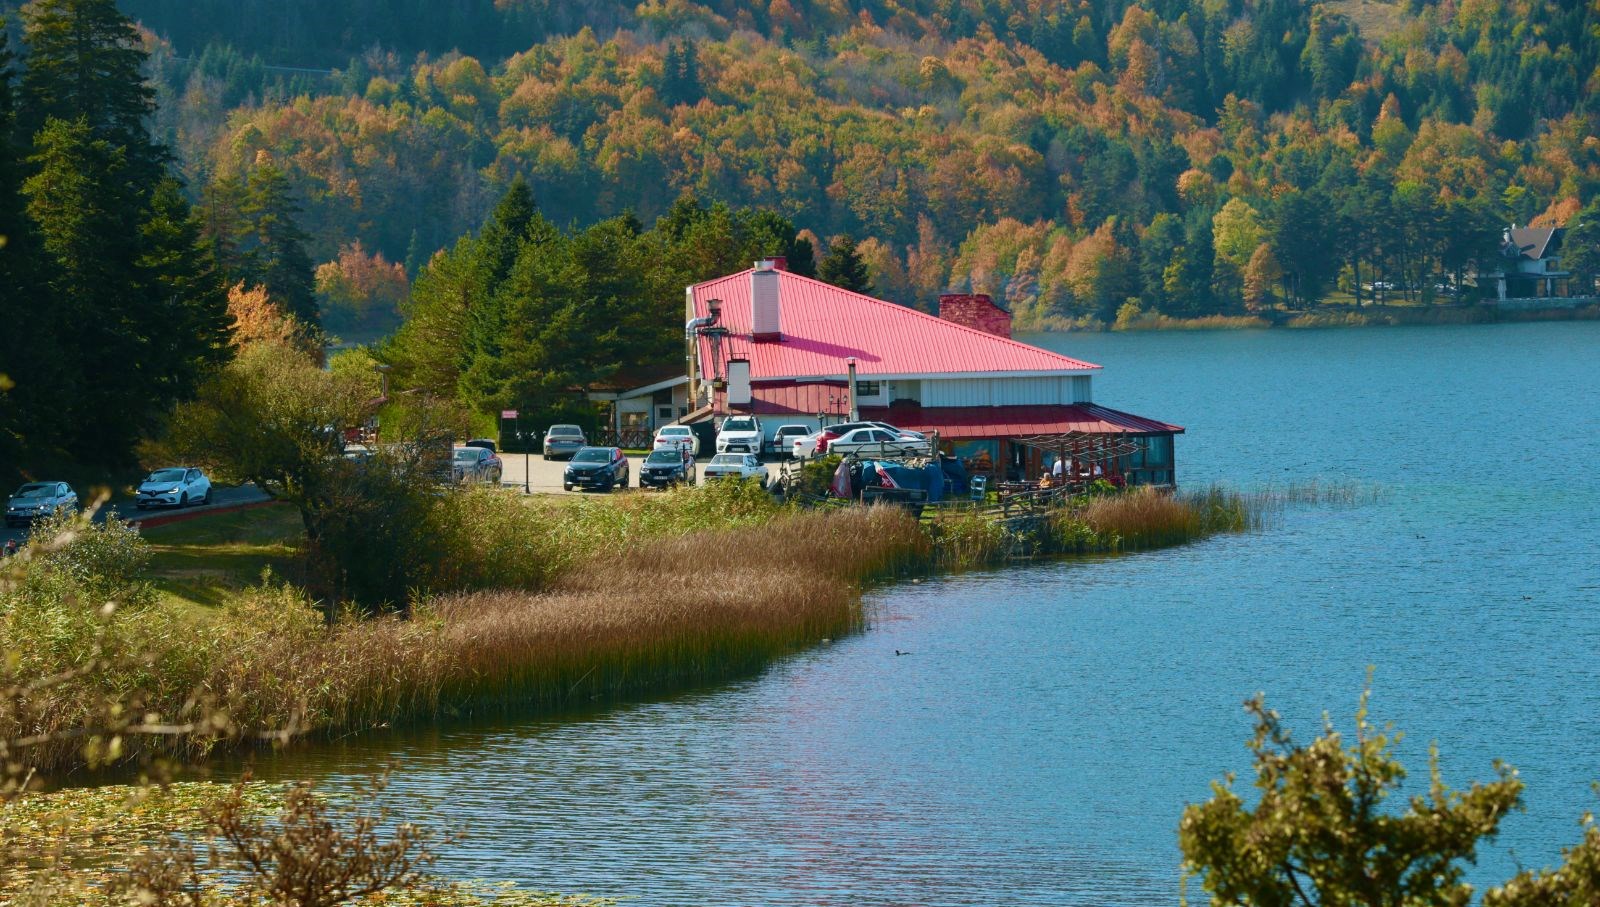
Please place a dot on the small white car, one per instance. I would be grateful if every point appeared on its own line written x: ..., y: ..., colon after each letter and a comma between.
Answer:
x: 876, y: 441
x: 740, y: 433
x: 736, y: 466
x: 783, y: 439
x: 176, y: 486
x: 677, y: 436
x: 37, y: 500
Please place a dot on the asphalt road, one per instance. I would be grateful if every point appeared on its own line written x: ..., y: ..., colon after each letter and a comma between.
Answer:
x: 220, y: 497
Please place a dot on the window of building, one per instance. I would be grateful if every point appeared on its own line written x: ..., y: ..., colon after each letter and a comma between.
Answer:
x: 869, y: 388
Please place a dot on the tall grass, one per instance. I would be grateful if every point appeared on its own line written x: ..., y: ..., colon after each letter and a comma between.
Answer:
x: 556, y: 604
x: 673, y: 606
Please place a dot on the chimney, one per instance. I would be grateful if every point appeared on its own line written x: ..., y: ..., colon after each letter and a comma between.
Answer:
x: 976, y: 311
x: 777, y: 262
x: 765, y: 320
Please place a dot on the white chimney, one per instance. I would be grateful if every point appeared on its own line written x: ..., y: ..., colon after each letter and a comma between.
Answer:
x: 765, y: 322
x: 738, y: 382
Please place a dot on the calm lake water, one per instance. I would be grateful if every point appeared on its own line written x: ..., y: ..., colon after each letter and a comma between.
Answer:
x: 1040, y: 742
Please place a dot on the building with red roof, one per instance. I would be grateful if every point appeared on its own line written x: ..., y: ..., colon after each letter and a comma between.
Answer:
x: 770, y: 343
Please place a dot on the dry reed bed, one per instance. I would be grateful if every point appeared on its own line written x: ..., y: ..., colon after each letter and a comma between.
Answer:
x: 672, y: 611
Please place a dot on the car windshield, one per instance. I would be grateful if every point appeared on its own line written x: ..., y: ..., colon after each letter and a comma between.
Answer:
x: 728, y: 459
x: 166, y: 475
x: 739, y: 425
x: 664, y: 458
x: 566, y: 431
x: 592, y: 455
x: 35, y: 491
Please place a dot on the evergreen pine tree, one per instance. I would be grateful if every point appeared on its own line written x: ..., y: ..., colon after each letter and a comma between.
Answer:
x: 82, y: 204
x: 802, y: 257
x: 84, y: 63
x: 278, y: 258
x: 414, y: 260
x: 180, y: 280
x: 843, y: 267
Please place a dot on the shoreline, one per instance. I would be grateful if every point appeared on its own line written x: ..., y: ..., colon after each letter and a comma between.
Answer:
x: 1370, y: 315
x: 684, y: 609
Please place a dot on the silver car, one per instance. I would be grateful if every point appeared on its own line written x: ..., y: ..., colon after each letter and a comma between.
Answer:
x: 39, y: 499
x: 562, y: 441
x: 176, y: 486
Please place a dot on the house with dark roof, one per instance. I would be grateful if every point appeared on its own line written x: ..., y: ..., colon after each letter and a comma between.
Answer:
x: 1530, y: 264
x: 793, y: 350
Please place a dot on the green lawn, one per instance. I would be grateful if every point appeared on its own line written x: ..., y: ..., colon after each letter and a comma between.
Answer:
x: 196, y: 562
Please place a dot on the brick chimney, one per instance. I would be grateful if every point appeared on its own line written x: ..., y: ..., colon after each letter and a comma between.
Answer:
x: 977, y: 311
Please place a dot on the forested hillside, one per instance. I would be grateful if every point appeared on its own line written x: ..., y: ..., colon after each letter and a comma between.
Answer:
x: 1199, y: 156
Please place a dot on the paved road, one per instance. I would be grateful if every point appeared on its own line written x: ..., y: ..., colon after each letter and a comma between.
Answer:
x: 220, y: 497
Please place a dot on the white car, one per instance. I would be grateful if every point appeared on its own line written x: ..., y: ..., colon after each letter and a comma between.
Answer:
x: 677, y: 436
x: 783, y: 439
x: 874, y: 441
x: 36, y: 500
x: 736, y: 466
x: 741, y: 433
x: 176, y: 486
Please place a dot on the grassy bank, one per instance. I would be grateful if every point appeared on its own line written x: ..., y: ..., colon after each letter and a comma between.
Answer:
x: 576, y: 601
x: 1137, y: 520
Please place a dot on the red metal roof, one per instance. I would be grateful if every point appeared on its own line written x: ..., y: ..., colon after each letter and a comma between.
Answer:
x: 822, y: 325
x: 1017, y: 421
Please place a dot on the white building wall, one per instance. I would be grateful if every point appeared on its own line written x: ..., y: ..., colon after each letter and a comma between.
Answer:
x: 1006, y: 391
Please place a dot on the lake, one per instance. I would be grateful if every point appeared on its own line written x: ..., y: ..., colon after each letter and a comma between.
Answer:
x: 1040, y: 741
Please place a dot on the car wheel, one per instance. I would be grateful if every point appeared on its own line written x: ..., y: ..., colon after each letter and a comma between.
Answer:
x: 207, y: 498
x: 565, y: 487
x: 183, y: 499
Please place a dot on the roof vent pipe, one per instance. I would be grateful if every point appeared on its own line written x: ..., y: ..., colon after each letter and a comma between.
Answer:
x: 765, y: 315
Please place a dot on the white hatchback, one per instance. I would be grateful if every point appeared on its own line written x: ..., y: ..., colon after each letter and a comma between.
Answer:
x: 668, y: 436
x: 174, y: 487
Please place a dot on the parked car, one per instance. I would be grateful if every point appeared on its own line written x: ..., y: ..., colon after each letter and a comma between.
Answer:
x: 817, y: 443
x: 873, y: 440
x: 741, y: 433
x: 474, y: 464
x: 783, y: 439
x: 488, y: 444
x: 175, y: 486
x: 677, y: 436
x: 604, y: 468
x: 736, y: 466
x: 814, y: 444
x: 666, y: 467
x: 563, y: 441
x: 39, y: 499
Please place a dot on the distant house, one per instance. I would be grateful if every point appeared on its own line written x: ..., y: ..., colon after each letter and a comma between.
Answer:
x: 774, y: 344
x: 1530, y: 264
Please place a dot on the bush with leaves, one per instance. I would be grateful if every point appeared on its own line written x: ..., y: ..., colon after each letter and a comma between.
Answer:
x: 1326, y: 832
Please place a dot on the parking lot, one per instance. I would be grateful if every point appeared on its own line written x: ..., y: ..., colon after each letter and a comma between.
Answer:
x: 545, y: 475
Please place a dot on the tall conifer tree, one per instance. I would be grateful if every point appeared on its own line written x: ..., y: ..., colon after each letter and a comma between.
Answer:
x: 843, y: 267
x: 85, y: 62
